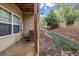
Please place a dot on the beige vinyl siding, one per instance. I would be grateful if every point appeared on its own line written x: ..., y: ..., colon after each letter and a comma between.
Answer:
x: 28, y: 20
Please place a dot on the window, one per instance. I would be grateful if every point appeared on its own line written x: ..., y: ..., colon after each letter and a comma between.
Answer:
x: 16, y: 24
x: 5, y: 22
x: 5, y: 29
x: 5, y: 16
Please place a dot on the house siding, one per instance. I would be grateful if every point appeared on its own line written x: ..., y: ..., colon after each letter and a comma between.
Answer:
x: 28, y: 20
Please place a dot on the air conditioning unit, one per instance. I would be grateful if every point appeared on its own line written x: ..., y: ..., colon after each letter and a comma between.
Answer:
x: 31, y: 35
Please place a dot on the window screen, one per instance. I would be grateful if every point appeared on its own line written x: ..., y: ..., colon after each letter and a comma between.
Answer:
x: 5, y: 22
x: 5, y: 16
x: 5, y: 29
x: 16, y: 28
x: 16, y: 24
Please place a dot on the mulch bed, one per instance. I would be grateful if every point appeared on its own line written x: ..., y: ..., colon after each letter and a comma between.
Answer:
x: 72, y: 33
x: 46, y: 46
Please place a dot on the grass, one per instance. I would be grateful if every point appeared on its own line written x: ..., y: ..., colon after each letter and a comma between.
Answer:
x: 62, y: 43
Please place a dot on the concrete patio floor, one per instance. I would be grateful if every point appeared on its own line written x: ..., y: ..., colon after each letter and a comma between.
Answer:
x: 20, y: 48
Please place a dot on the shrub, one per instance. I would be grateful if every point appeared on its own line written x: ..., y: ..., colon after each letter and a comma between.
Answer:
x: 69, y: 19
x: 52, y: 20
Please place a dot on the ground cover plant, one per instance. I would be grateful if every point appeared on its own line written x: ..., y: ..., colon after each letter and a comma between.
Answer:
x: 65, y: 44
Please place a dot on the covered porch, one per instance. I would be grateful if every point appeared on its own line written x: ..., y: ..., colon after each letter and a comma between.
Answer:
x: 21, y: 43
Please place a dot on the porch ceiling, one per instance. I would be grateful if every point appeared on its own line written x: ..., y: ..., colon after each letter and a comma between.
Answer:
x: 26, y: 7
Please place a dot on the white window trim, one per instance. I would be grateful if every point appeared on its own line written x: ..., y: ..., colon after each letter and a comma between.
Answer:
x: 5, y: 22
x: 12, y: 24
x: 9, y: 23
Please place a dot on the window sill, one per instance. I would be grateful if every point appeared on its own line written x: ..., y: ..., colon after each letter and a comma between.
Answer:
x: 9, y: 35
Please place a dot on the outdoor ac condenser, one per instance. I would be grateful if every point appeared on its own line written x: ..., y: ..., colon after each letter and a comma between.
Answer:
x: 31, y: 35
